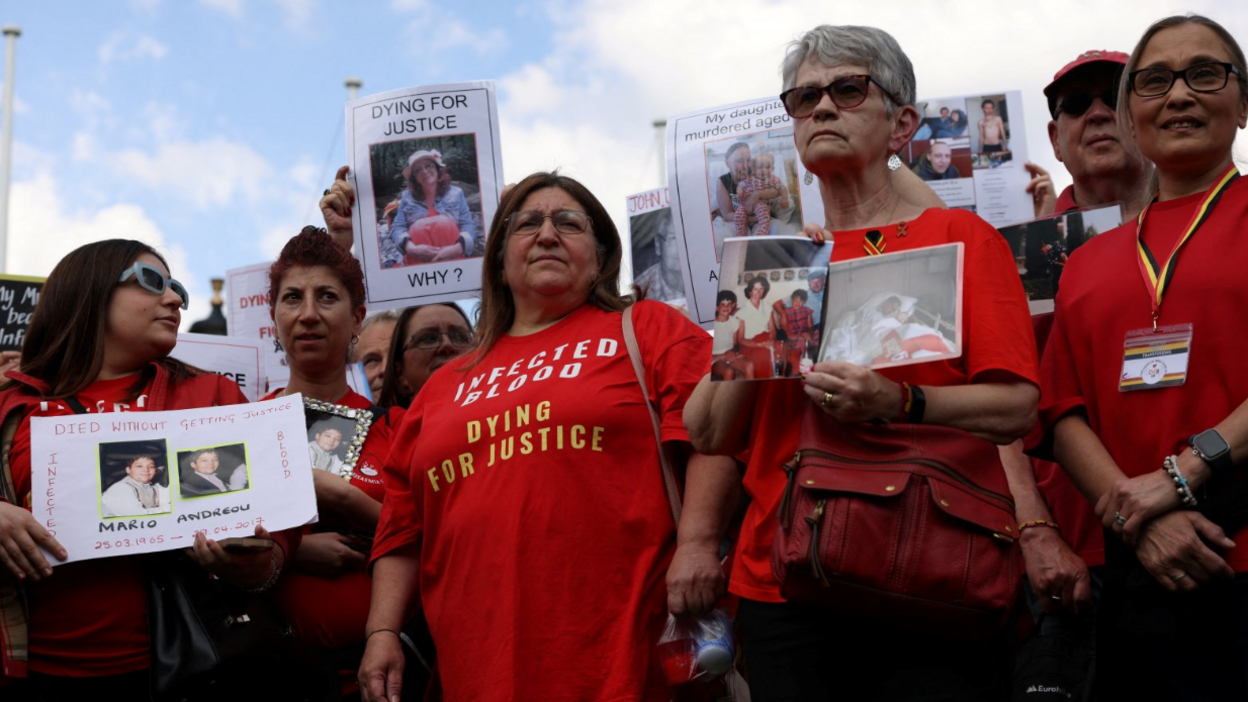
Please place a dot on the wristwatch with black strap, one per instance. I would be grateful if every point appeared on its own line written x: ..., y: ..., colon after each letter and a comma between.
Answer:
x: 1210, y: 447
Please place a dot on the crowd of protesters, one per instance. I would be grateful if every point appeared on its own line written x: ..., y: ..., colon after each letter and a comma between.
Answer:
x: 590, y: 480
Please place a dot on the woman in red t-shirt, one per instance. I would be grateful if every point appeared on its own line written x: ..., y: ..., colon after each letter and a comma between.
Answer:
x: 106, y: 321
x: 316, y: 299
x: 852, y: 110
x: 1152, y: 431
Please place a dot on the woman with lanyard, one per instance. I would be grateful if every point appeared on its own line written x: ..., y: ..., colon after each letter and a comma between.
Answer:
x: 1143, y: 388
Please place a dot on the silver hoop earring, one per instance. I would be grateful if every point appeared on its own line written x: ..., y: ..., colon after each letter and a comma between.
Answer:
x: 810, y: 178
x: 894, y: 162
x: 355, y: 339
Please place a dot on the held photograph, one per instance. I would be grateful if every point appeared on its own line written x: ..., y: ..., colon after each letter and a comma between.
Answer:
x: 427, y: 196
x: 895, y: 309
x: 134, y: 478
x: 1042, y: 247
x: 768, y: 315
x: 208, y: 471
x: 336, y: 435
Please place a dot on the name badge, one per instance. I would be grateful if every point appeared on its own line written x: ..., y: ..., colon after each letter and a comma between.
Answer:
x: 1153, y: 359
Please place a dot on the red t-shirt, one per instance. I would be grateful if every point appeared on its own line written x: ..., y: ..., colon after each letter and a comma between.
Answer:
x: 532, y: 484
x: 76, y: 631
x: 332, y: 611
x: 1103, y: 296
x: 1080, y: 527
x: 997, y: 337
x: 1065, y: 203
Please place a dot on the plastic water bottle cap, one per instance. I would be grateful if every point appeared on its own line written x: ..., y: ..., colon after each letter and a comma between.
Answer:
x: 715, y: 659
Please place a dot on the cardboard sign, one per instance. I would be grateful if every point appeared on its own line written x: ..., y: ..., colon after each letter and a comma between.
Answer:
x: 18, y: 296
x: 716, y: 158
x: 241, y: 360
x: 428, y: 171
x: 123, y: 483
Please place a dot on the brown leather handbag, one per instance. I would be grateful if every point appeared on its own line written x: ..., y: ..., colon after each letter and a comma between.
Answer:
x: 905, y: 523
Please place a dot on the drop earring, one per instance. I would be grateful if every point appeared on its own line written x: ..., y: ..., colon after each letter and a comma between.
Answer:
x: 894, y: 162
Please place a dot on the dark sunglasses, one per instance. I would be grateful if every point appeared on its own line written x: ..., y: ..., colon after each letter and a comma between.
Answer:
x: 847, y: 92
x: 1201, y: 77
x: 152, y: 280
x: 1078, y: 103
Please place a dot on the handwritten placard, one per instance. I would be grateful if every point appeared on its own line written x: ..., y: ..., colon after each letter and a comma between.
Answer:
x: 18, y: 296
x: 122, y: 483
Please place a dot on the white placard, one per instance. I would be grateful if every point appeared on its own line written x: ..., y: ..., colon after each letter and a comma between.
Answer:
x: 96, y: 498
x: 655, y: 249
x: 241, y: 360
x: 247, y: 291
x: 384, y: 132
x: 698, y: 146
x: 970, y: 149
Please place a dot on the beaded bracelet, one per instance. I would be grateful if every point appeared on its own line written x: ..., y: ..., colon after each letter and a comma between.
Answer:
x: 1039, y: 523
x: 1171, y: 466
x: 275, y: 570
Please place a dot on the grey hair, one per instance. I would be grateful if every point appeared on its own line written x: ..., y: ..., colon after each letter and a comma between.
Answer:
x: 391, y: 316
x: 1124, y: 85
x: 874, y: 48
x: 384, y: 316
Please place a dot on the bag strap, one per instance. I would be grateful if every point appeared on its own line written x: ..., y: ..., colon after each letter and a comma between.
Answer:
x: 669, y: 475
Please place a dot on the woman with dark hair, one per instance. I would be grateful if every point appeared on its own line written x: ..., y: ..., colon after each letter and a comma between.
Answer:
x: 99, y: 340
x: 525, y: 500
x: 316, y: 299
x: 433, y: 222
x: 1144, y: 389
x: 424, y: 340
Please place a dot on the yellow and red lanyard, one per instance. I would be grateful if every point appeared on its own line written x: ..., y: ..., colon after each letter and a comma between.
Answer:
x: 1157, y: 277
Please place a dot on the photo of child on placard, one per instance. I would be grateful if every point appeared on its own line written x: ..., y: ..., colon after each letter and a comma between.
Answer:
x: 754, y: 186
x: 990, y: 139
x: 768, y: 310
x: 208, y: 471
x: 895, y: 309
x: 427, y: 195
x: 134, y: 481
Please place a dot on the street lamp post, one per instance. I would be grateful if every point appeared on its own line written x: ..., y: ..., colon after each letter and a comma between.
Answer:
x: 11, y: 33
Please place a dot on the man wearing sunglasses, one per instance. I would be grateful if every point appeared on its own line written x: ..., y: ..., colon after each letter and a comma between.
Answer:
x: 1083, y: 98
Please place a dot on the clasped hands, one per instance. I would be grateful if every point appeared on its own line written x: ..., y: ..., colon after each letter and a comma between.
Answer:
x: 1172, y: 544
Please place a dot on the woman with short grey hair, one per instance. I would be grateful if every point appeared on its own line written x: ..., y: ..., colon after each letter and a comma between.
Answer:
x: 850, y: 92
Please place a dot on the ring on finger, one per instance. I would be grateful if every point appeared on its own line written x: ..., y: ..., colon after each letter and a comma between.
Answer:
x: 1055, y: 598
x: 1180, y: 576
x: 828, y: 397
x: 1120, y: 519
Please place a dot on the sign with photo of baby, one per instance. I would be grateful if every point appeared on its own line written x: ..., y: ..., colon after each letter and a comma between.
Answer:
x: 122, y: 483
x: 768, y: 317
x: 894, y: 309
x: 427, y: 169
x: 733, y: 171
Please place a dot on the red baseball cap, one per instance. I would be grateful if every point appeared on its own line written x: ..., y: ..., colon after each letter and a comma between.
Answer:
x: 1115, y: 59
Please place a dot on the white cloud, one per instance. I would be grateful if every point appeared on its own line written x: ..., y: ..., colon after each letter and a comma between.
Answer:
x: 44, y: 226
x: 131, y: 46
x: 298, y: 12
x: 233, y: 8
x: 211, y: 173
x: 613, y: 68
x: 434, y: 34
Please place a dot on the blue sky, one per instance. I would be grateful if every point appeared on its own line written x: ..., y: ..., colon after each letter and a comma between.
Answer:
x: 204, y: 126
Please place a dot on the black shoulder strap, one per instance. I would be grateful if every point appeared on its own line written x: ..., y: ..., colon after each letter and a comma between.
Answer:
x: 379, y: 412
x: 75, y: 405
